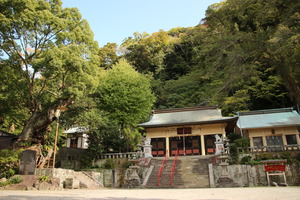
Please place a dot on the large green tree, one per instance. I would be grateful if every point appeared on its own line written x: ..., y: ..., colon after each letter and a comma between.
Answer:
x: 125, y: 98
x: 122, y: 99
x: 49, y: 60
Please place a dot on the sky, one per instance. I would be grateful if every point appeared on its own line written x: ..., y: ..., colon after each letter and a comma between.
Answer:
x: 115, y: 20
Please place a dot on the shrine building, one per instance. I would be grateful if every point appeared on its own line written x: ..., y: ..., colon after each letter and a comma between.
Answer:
x: 270, y: 129
x: 190, y: 130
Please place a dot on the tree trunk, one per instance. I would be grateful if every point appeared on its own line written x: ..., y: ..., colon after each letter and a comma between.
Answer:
x: 38, y: 123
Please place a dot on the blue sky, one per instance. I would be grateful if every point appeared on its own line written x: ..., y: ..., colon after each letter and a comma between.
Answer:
x: 115, y: 20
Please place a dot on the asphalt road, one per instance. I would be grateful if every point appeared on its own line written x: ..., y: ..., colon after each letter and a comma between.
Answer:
x: 257, y: 193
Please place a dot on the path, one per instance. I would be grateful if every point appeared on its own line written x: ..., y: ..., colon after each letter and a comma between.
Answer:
x: 257, y: 193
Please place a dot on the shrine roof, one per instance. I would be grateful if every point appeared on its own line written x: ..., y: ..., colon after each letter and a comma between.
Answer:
x: 77, y: 129
x: 268, y: 118
x: 185, y: 116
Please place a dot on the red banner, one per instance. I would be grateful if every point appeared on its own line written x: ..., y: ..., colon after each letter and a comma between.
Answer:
x: 272, y: 168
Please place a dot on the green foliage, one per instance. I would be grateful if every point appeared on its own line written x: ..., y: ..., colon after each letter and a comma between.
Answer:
x: 108, y: 55
x: 247, y: 160
x: 242, y: 142
x: 234, y: 154
x: 12, y: 180
x: 9, y: 159
x: 264, y: 156
x: 243, y: 57
x: 123, y: 99
x: 109, y: 164
x: 233, y: 136
x: 116, y: 164
x: 44, y: 179
x: 49, y: 58
x: 125, y: 94
x: 288, y: 156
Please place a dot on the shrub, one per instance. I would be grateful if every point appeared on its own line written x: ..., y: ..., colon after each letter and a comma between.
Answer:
x: 109, y: 164
x: 264, y: 156
x: 12, y: 180
x: 233, y: 136
x: 242, y: 142
x: 254, y: 162
x: 15, y: 180
x: 288, y: 156
x: 44, y: 178
x: 246, y: 160
x: 9, y: 159
x: 234, y: 154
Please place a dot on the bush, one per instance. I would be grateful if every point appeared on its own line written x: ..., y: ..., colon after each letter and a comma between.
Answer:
x: 233, y: 136
x: 15, y: 180
x: 246, y: 160
x: 242, y: 142
x: 109, y: 164
x: 234, y: 154
x: 9, y: 159
x: 12, y: 180
x: 264, y: 156
x: 288, y: 156
x: 44, y: 179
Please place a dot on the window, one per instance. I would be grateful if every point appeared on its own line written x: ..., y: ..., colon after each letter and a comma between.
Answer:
x: 257, y: 142
x: 185, y: 130
x: 291, y: 139
x: 274, y: 141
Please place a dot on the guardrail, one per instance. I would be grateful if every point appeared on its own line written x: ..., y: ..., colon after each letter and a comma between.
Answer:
x: 264, y: 149
x: 121, y: 155
x: 161, y: 168
x: 173, y: 168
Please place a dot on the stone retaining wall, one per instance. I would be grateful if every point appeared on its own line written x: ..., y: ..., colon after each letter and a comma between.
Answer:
x: 248, y: 176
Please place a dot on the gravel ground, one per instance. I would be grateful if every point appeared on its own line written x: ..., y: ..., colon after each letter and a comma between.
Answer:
x: 255, y: 193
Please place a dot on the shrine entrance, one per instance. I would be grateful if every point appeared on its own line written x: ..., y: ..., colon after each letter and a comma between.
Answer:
x: 186, y: 145
x: 158, y: 147
x: 210, y: 147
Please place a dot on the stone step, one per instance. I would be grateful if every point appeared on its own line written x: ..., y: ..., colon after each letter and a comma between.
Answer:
x: 86, y: 181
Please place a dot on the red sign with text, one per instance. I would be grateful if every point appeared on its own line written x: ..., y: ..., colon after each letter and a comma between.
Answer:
x: 272, y: 168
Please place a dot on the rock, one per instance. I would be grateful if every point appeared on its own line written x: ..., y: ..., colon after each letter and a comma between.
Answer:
x: 3, y: 180
x: 55, y: 182
x: 283, y: 184
x: 274, y: 184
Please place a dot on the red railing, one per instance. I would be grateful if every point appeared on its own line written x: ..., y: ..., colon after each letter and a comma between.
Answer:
x: 173, y: 167
x: 161, y: 168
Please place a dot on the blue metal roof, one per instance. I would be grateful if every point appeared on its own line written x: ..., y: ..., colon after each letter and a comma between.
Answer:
x: 268, y: 118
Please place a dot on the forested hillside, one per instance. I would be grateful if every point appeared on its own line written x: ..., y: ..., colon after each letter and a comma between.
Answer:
x: 244, y: 55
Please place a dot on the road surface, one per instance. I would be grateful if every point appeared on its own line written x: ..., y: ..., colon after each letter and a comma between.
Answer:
x: 256, y: 193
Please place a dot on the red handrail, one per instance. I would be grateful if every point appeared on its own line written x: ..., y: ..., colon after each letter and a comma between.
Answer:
x: 161, y: 168
x: 173, y: 167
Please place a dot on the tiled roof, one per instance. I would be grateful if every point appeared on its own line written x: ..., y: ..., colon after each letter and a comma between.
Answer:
x: 185, y: 116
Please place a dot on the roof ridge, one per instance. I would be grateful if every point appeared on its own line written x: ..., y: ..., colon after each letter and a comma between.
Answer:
x: 256, y: 112
x: 171, y: 110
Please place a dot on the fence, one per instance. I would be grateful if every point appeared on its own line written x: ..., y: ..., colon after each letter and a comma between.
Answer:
x: 264, y: 149
x: 128, y: 155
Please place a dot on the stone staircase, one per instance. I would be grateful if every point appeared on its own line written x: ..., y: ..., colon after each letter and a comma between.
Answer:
x: 190, y: 172
x: 87, y: 181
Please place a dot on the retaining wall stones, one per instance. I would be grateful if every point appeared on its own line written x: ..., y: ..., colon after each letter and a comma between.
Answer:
x: 248, y: 176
